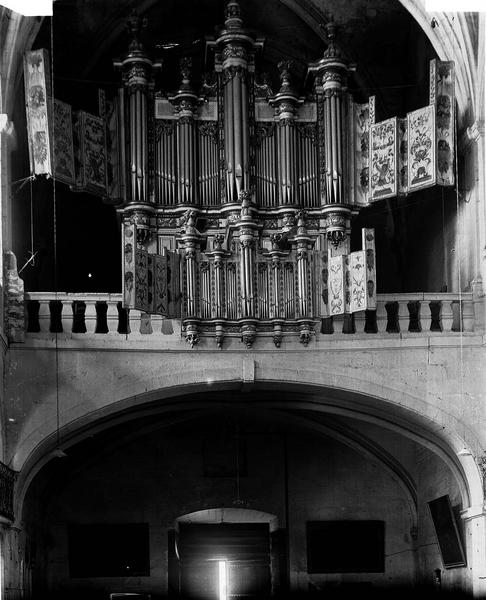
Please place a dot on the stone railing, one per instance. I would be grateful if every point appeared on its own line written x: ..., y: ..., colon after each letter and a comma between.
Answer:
x: 103, y: 314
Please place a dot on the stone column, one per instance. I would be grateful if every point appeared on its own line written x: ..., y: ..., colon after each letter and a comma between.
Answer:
x: 303, y: 242
x: 190, y: 241
x: 247, y: 227
x: 476, y: 525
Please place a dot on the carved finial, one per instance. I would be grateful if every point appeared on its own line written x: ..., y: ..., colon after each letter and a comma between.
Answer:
x: 245, y: 198
x: 233, y: 15
x: 301, y: 229
x: 185, y: 65
x: 218, y: 242
x: 286, y: 68
x: 333, y: 50
x: 188, y: 222
x: 135, y: 24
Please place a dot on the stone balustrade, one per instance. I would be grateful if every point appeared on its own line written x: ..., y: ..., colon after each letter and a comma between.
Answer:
x: 103, y: 315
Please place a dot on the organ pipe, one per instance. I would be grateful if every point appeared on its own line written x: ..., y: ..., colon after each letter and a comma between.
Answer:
x: 285, y: 103
x: 331, y: 71
x: 185, y: 102
x: 236, y: 47
x: 137, y: 71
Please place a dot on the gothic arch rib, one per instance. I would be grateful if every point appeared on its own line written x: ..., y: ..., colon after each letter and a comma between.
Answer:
x: 453, y: 38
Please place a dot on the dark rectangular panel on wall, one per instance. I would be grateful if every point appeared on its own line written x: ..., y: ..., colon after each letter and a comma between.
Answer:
x: 109, y: 550
x: 448, y: 537
x: 345, y: 547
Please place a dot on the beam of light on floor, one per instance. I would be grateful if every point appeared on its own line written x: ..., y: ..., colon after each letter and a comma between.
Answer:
x: 223, y: 580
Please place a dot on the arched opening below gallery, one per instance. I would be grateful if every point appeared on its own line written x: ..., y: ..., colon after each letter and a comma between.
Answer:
x: 331, y: 504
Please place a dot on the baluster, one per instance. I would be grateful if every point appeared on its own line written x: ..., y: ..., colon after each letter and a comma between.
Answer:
x: 371, y: 325
x: 434, y: 321
x: 457, y: 316
x: 90, y: 316
x: 360, y: 322
x: 403, y: 316
x: 392, y: 312
x: 123, y: 319
x: 414, y: 316
x: 112, y: 316
x: 78, y: 324
x: 468, y: 314
x: 446, y: 315
x: 145, y: 324
x: 381, y: 316
x: 33, y: 324
x: 101, y: 310
x: 55, y: 309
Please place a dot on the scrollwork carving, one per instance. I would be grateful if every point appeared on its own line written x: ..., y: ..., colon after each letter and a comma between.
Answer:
x: 234, y: 71
x: 248, y: 334
x: 336, y: 237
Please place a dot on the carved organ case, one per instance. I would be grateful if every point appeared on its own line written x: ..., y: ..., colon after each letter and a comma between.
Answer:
x: 236, y: 201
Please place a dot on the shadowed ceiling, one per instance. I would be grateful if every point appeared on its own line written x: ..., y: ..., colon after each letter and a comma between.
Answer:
x: 390, y: 50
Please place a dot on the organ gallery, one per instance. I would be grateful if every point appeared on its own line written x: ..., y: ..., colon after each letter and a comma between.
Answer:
x: 237, y: 200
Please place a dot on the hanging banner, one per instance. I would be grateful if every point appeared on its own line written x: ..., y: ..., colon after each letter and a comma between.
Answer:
x: 90, y: 151
x: 442, y: 97
x: 337, y: 285
x: 421, y: 148
x: 129, y: 244
x: 383, y: 159
x: 368, y: 246
x: 361, y: 152
x: 402, y: 157
x: 39, y: 110
x: 63, y: 143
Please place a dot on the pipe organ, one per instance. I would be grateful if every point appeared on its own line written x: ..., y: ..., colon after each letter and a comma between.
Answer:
x: 236, y: 201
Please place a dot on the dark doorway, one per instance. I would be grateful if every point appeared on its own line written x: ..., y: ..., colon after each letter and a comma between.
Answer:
x: 225, y: 561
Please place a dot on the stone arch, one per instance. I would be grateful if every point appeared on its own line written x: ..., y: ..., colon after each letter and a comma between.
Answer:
x: 324, y: 400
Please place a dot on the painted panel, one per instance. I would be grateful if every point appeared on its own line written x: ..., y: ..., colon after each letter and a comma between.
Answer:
x: 442, y: 96
x: 38, y: 107
x: 160, y: 285
x: 357, y: 280
x: 383, y: 159
x: 402, y: 157
x: 421, y: 148
x: 129, y: 243
x: 142, y: 283
x: 368, y: 246
x: 336, y: 285
x: 63, y: 143
x: 93, y: 155
x: 361, y: 152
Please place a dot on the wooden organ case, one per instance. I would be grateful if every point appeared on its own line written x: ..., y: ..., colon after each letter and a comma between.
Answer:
x: 236, y: 202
